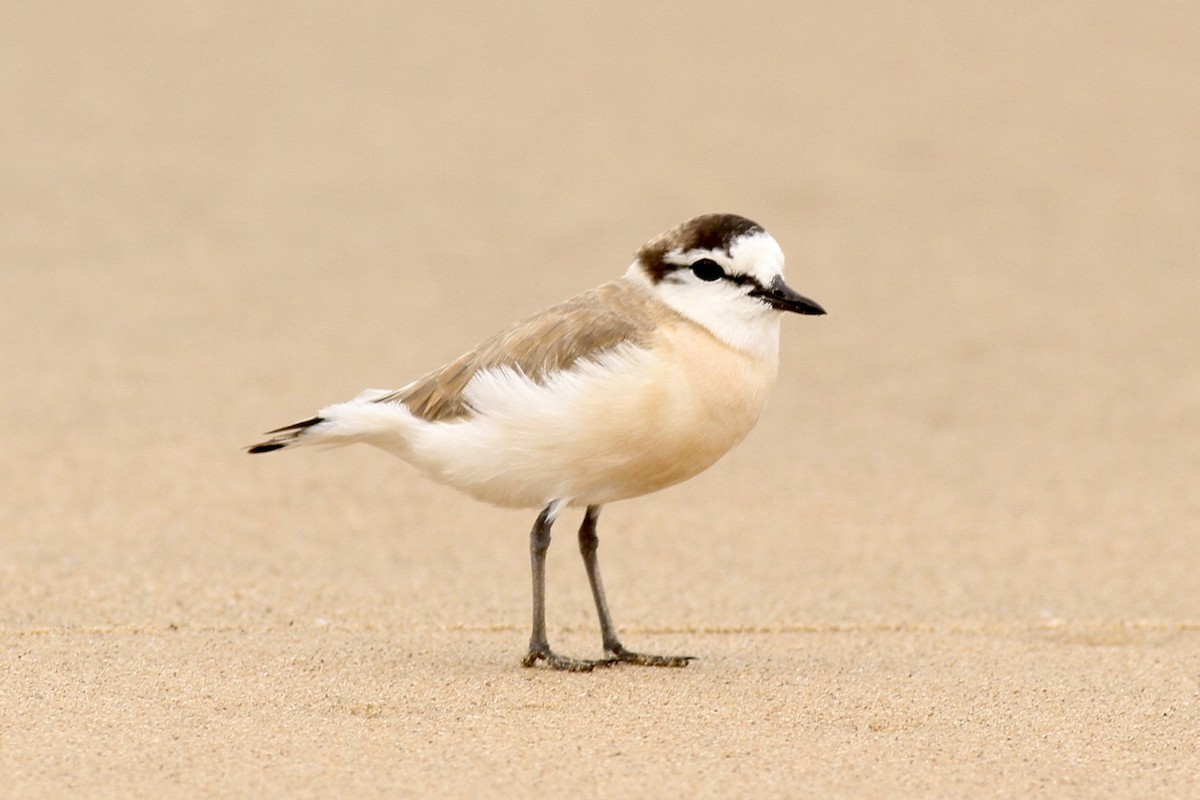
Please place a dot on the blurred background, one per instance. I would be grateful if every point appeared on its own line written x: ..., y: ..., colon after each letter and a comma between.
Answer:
x: 218, y: 217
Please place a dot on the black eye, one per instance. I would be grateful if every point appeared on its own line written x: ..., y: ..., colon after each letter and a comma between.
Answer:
x: 707, y: 270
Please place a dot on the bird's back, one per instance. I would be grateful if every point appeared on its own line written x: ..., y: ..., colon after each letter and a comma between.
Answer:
x: 614, y: 314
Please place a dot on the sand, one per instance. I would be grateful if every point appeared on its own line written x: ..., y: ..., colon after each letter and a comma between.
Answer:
x: 960, y: 555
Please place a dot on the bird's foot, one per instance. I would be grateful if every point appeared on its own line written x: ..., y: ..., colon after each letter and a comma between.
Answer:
x: 623, y: 656
x: 555, y: 661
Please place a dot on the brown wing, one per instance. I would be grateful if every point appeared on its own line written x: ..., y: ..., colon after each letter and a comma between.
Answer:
x: 585, y: 326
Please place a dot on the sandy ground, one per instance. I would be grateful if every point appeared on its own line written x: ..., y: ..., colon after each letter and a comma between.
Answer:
x: 960, y: 556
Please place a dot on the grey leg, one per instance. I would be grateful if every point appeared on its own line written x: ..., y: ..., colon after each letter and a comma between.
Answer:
x: 539, y: 645
x: 589, y: 541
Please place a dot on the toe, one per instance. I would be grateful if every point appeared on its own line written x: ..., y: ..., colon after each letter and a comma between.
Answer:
x: 564, y: 663
x: 647, y: 660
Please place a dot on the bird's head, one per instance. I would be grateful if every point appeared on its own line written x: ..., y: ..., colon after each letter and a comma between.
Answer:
x: 724, y: 272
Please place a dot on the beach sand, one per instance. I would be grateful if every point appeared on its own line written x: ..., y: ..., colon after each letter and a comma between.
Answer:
x: 959, y: 556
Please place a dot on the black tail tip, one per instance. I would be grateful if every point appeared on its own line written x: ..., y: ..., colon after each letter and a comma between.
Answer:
x: 299, y: 426
x: 294, y: 430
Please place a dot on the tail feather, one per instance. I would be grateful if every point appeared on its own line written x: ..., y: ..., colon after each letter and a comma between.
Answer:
x: 282, y: 437
x: 299, y: 426
x: 363, y: 419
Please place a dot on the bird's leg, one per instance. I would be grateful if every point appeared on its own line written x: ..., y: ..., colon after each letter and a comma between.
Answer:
x: 539, y: 645
x: 588, y: 543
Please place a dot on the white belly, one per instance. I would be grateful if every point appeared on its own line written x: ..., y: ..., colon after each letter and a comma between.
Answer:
x: 635, y: 422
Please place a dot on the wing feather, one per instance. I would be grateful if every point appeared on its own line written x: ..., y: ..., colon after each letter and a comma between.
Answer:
x: 614, y: 314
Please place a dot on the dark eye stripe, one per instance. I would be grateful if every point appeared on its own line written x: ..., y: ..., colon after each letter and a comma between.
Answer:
x: 738, y: 280
x: 742, y: 280
x: 708, y: 270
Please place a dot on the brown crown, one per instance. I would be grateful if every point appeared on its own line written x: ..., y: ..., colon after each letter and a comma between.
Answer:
x: 708, y: 232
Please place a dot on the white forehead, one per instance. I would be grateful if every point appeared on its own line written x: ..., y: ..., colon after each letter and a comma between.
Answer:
x: 757, y: 255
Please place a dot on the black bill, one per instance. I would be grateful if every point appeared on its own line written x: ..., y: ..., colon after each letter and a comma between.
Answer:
x: 781, y: 296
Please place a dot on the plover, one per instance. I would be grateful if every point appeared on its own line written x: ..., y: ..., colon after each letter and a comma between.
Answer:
x: 626, y: 389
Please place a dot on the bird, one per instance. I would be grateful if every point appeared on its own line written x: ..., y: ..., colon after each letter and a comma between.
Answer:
x: 628, y: 388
